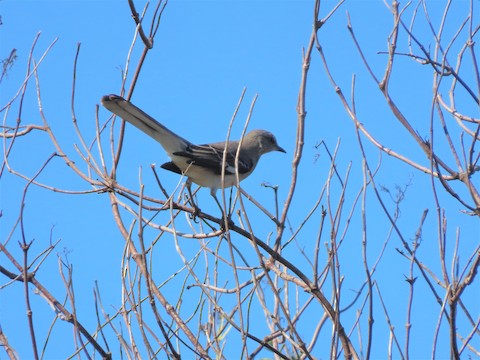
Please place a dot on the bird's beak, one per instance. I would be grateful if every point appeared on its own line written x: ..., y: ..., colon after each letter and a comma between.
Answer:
x: 279, y: 148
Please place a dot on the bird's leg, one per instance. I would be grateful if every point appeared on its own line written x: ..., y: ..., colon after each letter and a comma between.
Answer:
x: 214, y: 194
x: 230, y: 205
x: 196, y: 209
x: 228, y: 219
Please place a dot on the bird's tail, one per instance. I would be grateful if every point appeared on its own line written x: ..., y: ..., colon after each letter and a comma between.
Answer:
x: 170, y: 141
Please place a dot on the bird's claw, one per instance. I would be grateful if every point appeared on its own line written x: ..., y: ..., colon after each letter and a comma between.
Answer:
x: 227, y: 223
x: 195, y: 213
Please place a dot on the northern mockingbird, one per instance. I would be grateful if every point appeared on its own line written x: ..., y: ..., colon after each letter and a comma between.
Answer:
x: 202, y: 164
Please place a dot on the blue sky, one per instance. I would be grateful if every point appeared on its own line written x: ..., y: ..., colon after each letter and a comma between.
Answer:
x: 205, y: 54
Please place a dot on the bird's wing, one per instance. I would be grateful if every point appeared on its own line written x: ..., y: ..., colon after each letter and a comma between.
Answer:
x: 170, y: 141
x: 211, y: 156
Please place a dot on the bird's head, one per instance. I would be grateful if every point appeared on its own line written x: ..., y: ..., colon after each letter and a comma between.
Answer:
x: 265, y: 140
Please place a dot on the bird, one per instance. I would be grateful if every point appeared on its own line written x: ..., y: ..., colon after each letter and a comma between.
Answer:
x: 201, y: 164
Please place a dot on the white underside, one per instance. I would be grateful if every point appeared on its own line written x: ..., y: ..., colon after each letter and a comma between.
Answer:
x: 205, y: 177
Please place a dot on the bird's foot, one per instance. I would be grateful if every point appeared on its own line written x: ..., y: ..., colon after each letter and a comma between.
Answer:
x: 195, y: 213
x: 227, y: 223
